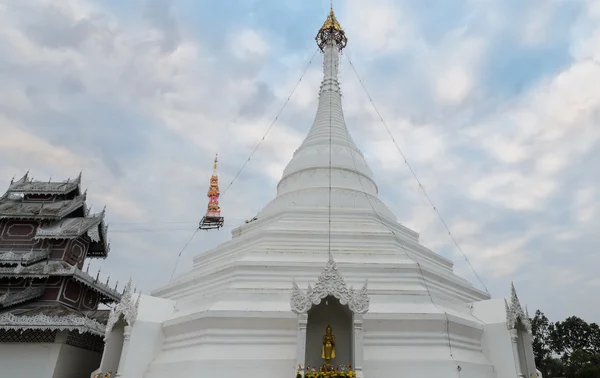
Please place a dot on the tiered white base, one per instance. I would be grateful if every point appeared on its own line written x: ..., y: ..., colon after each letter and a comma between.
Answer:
x: 230, y: 317
x: 231, y: 344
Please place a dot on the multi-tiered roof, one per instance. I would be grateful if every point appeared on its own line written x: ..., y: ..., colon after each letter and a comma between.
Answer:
x: 47, y: 232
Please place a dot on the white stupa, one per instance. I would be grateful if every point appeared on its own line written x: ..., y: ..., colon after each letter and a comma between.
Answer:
x: 258, y: 305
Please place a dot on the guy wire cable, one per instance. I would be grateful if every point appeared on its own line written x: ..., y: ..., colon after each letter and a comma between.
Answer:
x: 330, y: 93
x: 421, y: 187
x: 410, y: 256
x: 272, y: 124
x: 251, y: 154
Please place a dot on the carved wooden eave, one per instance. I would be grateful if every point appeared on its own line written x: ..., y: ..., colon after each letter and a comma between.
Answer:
x: 11, y: 298
x: 81, y: 323
x: 515, y: 313
x: 18, y: 209
x: 127, y: 309
x: 60, y: 268
x: 70, y: 228
x: 25, y: 257
x: 39, y: 270
x: 102, y: 288
x: 332, y: 283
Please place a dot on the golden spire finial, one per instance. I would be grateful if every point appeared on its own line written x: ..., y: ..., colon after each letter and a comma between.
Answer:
x: 331, y: 29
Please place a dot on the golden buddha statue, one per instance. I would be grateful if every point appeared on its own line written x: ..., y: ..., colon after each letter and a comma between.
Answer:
x: 328, y: 350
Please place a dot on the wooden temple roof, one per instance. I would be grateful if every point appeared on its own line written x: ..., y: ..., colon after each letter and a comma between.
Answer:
x: 23, y: 255
x: 11, y: 298
x: 49, y: 268
x: 25, y: 185
x: 17, y: 208
x: 71, y: 228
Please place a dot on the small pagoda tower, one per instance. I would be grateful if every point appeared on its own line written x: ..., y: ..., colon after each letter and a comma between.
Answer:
x: 46, y: 234
x: 213, y: 218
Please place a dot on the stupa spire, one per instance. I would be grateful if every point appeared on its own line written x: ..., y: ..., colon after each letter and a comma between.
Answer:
x: 328, y: 161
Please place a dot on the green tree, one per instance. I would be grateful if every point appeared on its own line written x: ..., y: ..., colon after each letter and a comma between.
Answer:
x: 574, y: 340
x: 572, y: 334
x: 541, y: 329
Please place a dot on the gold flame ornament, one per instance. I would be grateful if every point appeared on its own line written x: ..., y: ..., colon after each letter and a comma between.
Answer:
x: 331, y: 29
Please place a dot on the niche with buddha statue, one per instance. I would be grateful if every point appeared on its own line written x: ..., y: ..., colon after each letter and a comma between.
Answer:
x: 329, y: 335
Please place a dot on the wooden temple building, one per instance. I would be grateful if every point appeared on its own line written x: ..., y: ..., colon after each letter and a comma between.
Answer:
x: 50, y: 322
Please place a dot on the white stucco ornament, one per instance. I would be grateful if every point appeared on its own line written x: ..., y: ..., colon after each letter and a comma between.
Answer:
x: 126, y: 308
x: 330, y: 282
x: 515, y: 313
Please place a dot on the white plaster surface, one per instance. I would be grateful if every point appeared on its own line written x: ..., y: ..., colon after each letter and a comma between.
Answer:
x: 28, y: 359
x: 230, y: 315
x: 113, y: 346
x: 46, y: 360
x: 75, y: 362
x: 146, y: 335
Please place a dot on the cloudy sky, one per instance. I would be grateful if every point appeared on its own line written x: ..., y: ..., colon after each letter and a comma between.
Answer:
x: 496, y: 104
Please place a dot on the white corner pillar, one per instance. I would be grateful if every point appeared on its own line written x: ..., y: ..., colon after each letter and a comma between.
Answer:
x: 514, y: 338
x: 358, y: 344
x: 301, y: 342
x: 126, y: 337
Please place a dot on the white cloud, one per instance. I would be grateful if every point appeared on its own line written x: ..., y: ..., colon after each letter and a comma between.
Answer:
x: 382, y: 26
x: 249, y: 44
x: 456, y: 68
x: 454, y: 84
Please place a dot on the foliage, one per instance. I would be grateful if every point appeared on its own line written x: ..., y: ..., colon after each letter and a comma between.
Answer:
x: 327, y: 372
x: 541, y: 329
x: 104, y: 375
x: 330, y: 374
x: 570, y: 348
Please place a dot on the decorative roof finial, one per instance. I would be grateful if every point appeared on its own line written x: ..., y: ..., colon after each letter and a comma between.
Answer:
x: 331, y: 29
x: 214, y: 210
x: 213, y: 218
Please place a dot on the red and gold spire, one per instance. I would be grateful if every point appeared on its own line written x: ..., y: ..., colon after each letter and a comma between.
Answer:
x: 213, y: 218
x: 214, y: 210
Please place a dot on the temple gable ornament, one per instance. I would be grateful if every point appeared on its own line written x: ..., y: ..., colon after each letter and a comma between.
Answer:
x: 515, y: 313
x: 126, y: 308
x: 330, y: 282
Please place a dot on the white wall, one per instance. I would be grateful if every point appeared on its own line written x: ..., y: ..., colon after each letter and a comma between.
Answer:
x: 112, y: 348
x: 496, y: 342
x: 75, y: 362
x: 28, y: 359
x: 147, y: 335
